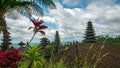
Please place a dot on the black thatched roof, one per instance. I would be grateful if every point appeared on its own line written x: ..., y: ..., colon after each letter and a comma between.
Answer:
x: 21, y: 43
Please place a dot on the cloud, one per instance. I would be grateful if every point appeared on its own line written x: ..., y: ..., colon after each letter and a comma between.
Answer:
x: 19, y: 29
x: 70, y: 2
x: 85, y: 3
x: 46, y: 18
x: 19, y: 25
x: 49, y: 19
x: 71, y: 23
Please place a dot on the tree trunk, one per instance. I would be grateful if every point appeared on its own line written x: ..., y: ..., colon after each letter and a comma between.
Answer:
x: 5, y: 44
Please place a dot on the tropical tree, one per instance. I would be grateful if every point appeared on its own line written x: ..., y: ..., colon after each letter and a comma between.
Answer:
x: 7, y: 42
x: 25, y: 7
x: 44, y: 42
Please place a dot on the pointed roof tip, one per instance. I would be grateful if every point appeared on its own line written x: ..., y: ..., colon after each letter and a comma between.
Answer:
x: 89, y: 21
x: 21, y: 43
x: 57, y: 31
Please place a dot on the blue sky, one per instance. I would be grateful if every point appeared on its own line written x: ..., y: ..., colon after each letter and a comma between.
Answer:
x: 76, y: 4
x: 70, y: 19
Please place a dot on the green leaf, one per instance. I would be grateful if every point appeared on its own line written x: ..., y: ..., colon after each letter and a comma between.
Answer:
x: 2, y: 28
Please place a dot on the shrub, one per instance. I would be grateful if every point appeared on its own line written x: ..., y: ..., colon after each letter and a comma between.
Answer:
x: 10, y: 58
x: 34, y: 56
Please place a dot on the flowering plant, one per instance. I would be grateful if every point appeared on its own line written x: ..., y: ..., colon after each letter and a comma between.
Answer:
x: 10, y: 58
x: 38, y: 27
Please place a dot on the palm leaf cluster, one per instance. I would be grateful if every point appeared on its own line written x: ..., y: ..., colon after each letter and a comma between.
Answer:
x: 25, y: 6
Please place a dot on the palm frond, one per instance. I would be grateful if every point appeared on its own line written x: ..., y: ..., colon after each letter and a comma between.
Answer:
x: 52, y: 5
x: 36, y: 9
x: 27, y: 7
x: 45, y: 3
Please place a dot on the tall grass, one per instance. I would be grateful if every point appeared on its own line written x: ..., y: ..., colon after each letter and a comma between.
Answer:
x: 97, y: 58
x: 34, y: 58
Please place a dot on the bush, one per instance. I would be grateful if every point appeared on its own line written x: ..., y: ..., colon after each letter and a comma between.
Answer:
x: 10, y: 58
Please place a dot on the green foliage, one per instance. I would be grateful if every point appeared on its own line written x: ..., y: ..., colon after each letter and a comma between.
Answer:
x: 48, y: 50
x: 27, y: 5
x: 34, y: 56
x: 59, y: 64
x: 50, y: 47
x: 44, y: 42
x: 2, y: 28
x: 66, y: 48
x: 6, y: 35
x: 6, y: 41
x: 53, y: 64
x: 108, y: 39
x: 24, y: 64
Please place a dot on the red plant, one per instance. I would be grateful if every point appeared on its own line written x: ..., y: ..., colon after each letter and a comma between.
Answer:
x: 38, y: 27
x: 9, y: 58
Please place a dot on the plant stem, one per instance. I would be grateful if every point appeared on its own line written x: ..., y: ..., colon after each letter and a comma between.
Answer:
x: 98, y: 59
x: 32, y: 38
x: 77, y: 56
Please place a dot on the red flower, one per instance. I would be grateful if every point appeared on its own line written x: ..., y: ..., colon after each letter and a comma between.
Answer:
x: 9, y: 58
x: 38, y: 27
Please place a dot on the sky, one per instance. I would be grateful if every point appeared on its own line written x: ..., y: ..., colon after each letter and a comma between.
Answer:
x: 70, y: 19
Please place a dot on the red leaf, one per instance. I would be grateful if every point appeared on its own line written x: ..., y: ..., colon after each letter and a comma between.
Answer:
x: 37, y: 26
x: 10, y: 58
x: 13, y: 64
x: 30, y: 28
x: 43, y: 27
x: 41, y: 21
x: 42, y: 32
x: 34, y: 21
x: 1, y: 54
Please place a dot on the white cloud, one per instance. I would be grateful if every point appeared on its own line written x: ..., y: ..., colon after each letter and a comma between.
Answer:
x: 70, y: 2
x: 46, y: 18
x: 49, y: 19
x: 19, y: 28
x: 72, y: 22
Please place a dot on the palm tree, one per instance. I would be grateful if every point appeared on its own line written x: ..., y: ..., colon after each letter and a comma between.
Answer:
x: 22, y: 6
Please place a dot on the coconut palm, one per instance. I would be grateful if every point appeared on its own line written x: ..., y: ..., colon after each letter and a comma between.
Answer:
x: 26, y: 7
